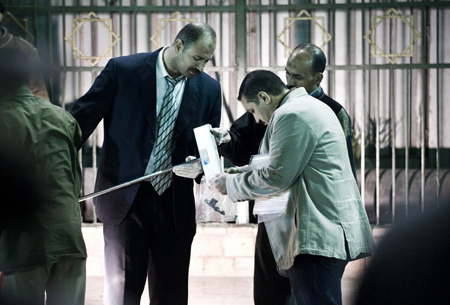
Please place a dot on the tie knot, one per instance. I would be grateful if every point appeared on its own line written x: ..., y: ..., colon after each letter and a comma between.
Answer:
x: 170, y: 81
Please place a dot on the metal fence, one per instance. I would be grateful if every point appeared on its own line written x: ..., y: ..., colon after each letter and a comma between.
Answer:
x: 388, y: 63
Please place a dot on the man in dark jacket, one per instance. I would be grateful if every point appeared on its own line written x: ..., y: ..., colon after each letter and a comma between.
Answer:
x: 150, y: 103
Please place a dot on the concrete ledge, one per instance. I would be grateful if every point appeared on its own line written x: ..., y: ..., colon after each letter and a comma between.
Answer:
x: 218, y: 250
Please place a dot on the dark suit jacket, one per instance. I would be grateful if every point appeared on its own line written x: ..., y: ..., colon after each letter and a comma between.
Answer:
x: 124, y: 96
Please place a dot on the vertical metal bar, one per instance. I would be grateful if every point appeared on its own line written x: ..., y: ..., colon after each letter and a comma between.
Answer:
x: 302, y: 27
x: 349, y: 48
x: 221, y: 43
x: 94, y: 159
x: 121, y: 29
x: 332, y: 59
x: 240, y: 40
x: 241, y: 64
x: 392, y: 120
x: 64, y: 33
x: 365, y: 93
x: 260, y: 48
x: 438, y: 117
x: 393, y: 138
x: 34, y: 24
x: 408, y: 138
x: 50, y: 90
x: 423, y: 126
x: 64, y: 51
x: 377, y: 151
x: 133, y: 15
x: 94, y: 45
x: 273, y: 58
x: 149, y: 26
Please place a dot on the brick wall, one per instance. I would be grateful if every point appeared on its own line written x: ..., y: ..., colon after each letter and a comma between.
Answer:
x: 218, y: 250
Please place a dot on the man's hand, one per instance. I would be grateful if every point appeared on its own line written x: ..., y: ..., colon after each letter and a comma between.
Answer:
x: 221, y: 135
x: 189, y: 170
x: 219, y: 183
x: 237, y: 169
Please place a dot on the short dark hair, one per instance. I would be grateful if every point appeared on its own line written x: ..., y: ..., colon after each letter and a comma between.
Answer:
x: 319, y: 58
x: 260, y: 80
x: 2, y: 8
x: 15, y: 67
x: 192, y: 32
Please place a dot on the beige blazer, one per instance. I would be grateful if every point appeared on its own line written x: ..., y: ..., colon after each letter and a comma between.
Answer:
x: 308, y: 156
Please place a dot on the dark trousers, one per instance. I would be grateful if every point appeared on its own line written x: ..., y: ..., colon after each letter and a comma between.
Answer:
x: 269, y: 287
x: 316, y: 280
x: 146, y: 245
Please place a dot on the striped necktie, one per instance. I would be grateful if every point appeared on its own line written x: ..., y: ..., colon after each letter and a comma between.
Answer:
x: 163, y: 146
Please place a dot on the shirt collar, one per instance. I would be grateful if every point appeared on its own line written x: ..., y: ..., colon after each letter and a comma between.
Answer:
x: 161, y: 71
x: 293, y: 94
x: 317, y: 93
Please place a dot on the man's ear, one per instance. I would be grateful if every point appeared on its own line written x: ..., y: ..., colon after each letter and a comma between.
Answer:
x: 179, y: 46
x: 264, y: 98
x: 318, y: 78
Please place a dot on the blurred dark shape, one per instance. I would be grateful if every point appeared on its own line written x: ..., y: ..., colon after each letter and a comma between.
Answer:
x: 411, y: 265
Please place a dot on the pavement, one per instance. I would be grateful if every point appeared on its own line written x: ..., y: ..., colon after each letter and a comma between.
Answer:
x: 221, y: 267
x: 213, y: 291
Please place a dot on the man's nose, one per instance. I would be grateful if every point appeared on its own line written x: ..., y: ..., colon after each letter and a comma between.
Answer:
x: 290, y: 83
x: 201, y: 66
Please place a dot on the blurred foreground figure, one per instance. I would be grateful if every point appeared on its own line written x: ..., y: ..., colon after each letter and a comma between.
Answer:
x: 36, y: 81
x: 42, y: 251
x: 324, y: 224
x: 411, y: 265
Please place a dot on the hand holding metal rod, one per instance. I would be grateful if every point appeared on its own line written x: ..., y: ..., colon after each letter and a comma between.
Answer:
x: 146, y: 177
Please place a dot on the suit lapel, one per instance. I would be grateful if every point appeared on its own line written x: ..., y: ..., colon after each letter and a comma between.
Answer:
x: 189, y: 107
x: 148, y: 90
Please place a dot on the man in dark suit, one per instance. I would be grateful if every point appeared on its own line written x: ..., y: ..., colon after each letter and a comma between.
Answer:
x: 149, y: 227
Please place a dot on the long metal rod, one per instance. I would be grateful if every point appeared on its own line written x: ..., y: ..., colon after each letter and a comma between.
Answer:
x: 92, y: 195
x: 113, y: 188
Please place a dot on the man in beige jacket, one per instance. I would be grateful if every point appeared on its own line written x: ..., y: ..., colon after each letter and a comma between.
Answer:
x: 324, y: 224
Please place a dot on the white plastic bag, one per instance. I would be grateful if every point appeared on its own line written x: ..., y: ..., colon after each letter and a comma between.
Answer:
x: 212, y: 206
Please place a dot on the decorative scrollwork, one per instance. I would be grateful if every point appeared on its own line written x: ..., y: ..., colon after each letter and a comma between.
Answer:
x: 163, y: 22
x: 303, y: 15
x: 76, y: 26
x: 377, y: 51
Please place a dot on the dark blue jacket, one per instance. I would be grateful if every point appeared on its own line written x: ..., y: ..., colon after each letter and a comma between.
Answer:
x: 124, y: 96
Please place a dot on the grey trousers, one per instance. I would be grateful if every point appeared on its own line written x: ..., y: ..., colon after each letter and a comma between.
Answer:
x: 58, y: 283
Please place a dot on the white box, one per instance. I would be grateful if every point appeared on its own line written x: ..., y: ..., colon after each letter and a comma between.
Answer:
x: 207, y: 148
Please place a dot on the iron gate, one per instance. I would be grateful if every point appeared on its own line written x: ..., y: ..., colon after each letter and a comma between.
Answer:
x: 388, y: 63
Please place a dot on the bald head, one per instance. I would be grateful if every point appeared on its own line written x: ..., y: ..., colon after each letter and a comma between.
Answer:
x: 191, y: 50
x: 318, y: 59
x: 305, y: 67
x: 193, y: 32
